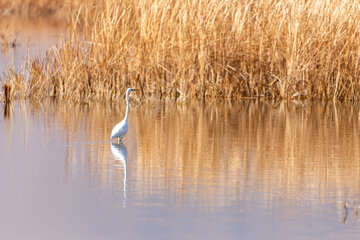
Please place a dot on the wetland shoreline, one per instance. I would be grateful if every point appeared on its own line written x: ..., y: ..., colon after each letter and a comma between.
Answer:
x: 280, y: 50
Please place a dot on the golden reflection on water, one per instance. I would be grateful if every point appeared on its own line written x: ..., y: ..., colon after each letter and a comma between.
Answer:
x: 214, y: 155
x: 227, y: 152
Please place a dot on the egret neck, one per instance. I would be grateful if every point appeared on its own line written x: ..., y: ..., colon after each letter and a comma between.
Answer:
x: 127, y: 106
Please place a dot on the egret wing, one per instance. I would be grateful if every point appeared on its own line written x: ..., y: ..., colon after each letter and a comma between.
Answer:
x: 119, y: 130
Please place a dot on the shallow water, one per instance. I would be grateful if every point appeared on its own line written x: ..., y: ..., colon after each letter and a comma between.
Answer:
x: 22, y: 38
x: 250, y: 170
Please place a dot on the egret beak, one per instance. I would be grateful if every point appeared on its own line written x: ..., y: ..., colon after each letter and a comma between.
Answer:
x: 136, y: 89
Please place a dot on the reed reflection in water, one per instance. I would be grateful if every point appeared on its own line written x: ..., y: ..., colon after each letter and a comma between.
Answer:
x: 242, y: 164
x: 218, y: 154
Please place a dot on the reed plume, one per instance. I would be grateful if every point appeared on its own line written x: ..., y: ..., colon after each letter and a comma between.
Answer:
x: 204, y: 49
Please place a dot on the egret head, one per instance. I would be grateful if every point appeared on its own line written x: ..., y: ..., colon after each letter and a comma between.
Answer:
x: 129, y: 90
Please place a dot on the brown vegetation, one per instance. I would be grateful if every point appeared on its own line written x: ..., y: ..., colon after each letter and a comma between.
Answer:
x: 204, y: 49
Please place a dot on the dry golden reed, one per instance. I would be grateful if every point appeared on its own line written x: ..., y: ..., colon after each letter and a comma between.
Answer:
x: 205, y: 49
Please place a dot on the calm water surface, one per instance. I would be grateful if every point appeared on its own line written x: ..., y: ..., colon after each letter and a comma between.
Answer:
x: 243, y: 171
x: 21, y: 39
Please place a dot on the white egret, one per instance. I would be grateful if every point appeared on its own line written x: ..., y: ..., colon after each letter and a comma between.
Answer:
x: 121, y: 128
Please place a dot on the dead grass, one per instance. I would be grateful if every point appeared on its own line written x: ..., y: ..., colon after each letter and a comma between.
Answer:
x: 6, y: 40
x: 202, y: 49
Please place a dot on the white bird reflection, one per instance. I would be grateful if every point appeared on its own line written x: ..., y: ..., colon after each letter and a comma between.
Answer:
x: 120, y: 153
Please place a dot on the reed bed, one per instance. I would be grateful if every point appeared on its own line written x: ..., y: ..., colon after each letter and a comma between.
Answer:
x: 206, y: 49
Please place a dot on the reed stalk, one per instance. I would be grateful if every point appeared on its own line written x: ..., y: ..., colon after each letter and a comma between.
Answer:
x: 206, y: 49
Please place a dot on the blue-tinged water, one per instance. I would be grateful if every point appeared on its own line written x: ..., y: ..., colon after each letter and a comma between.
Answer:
x: 247, y: 170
